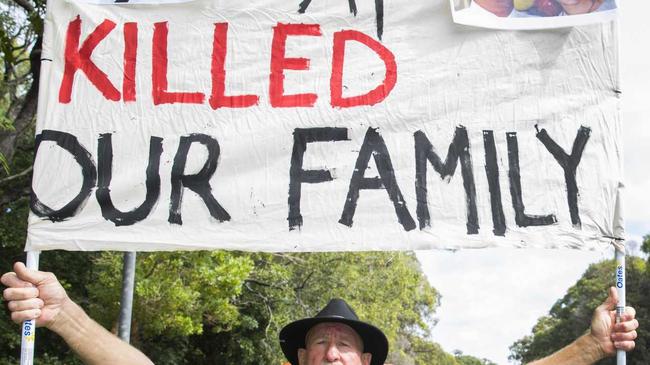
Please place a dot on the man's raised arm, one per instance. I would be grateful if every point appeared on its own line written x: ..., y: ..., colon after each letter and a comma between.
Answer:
x: 39, y: 295
x: 603, y: 338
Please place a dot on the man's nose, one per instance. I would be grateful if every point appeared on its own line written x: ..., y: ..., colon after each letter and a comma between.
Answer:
x: 333, y: 353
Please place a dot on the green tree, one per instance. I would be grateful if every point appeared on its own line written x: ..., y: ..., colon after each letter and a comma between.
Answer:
x: 21, y: 29
x: 234, y: 307
x: 385, y: 288
x: 568, y: 317
x: 20, y: 35
x: 470, y: 360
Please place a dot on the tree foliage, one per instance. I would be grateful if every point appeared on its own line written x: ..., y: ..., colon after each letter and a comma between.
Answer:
x: 232, y: 305
x: 21, y: 33
x: 568, y: 317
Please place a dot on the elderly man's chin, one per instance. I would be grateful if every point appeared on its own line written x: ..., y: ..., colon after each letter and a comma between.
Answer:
x: 324, y: 362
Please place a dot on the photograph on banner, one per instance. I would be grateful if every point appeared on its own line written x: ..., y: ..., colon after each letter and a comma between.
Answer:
x: 532, y: 14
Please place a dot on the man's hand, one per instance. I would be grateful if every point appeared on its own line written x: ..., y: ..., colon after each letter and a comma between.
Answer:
x: 33, y: 295
x: 612, y: 336
x: 604, y: 338
x: 39, y: 295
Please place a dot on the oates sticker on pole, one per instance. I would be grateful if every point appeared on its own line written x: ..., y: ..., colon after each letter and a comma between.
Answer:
x: 320, y: 126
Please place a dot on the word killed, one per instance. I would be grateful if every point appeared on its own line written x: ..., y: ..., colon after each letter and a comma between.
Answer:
x: 78, y: 55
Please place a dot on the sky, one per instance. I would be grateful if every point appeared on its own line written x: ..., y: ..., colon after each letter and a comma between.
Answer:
x: 493, y: 297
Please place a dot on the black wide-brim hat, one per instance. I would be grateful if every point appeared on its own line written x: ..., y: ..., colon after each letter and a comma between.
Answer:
x: 292, y: 336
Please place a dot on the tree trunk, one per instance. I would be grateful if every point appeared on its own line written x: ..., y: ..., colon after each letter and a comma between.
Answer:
x: 27, y: 110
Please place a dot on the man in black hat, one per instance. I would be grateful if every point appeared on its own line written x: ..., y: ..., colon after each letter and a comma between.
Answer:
x: 334, y: 336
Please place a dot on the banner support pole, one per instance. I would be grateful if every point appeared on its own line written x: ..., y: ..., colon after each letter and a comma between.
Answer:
x: 620, y: 288
x: 126, y: 301
x: 619, y: 225
x: 28, y: 334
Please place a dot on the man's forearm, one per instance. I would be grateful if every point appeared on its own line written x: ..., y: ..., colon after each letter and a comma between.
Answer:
x: 92, y: 342
x: 583, y: 351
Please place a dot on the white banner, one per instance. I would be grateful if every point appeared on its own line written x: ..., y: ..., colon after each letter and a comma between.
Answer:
x: 320, y: 126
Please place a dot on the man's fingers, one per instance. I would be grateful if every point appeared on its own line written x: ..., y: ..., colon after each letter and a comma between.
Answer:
x: 624, y: 345
x: 22, y: 316
x: 624, y: 336
x: 10, y: 280
x: 27, y: 304
x: 630, y: 314
x: 20, y: 293
x: 32, y: 276
x: 626, y: 326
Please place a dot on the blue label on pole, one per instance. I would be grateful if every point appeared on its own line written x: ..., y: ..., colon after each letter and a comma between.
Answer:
x: 619, y: 277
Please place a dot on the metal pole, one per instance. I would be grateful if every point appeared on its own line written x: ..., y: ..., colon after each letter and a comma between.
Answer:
x: 620, y: 288
x: 619, y: 224
x: 28, y: 334
x: 126, y: 302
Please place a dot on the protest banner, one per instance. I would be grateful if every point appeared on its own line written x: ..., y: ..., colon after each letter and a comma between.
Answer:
x: 320, y: 126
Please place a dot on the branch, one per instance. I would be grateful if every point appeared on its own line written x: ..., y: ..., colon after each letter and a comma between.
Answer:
x: 152, y: 269
x: 253, y: 281
x: 25, y: 5
x: 19, y: 61
x: 304, y: 283
x: 390, y: 260
x: 293, y: 258
x: 13, y: 177
x: 268, y: 324
x: 25, y: 116
x: 14, y: 196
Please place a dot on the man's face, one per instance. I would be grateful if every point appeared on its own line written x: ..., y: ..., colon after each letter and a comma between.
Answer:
x: 333, y: 343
